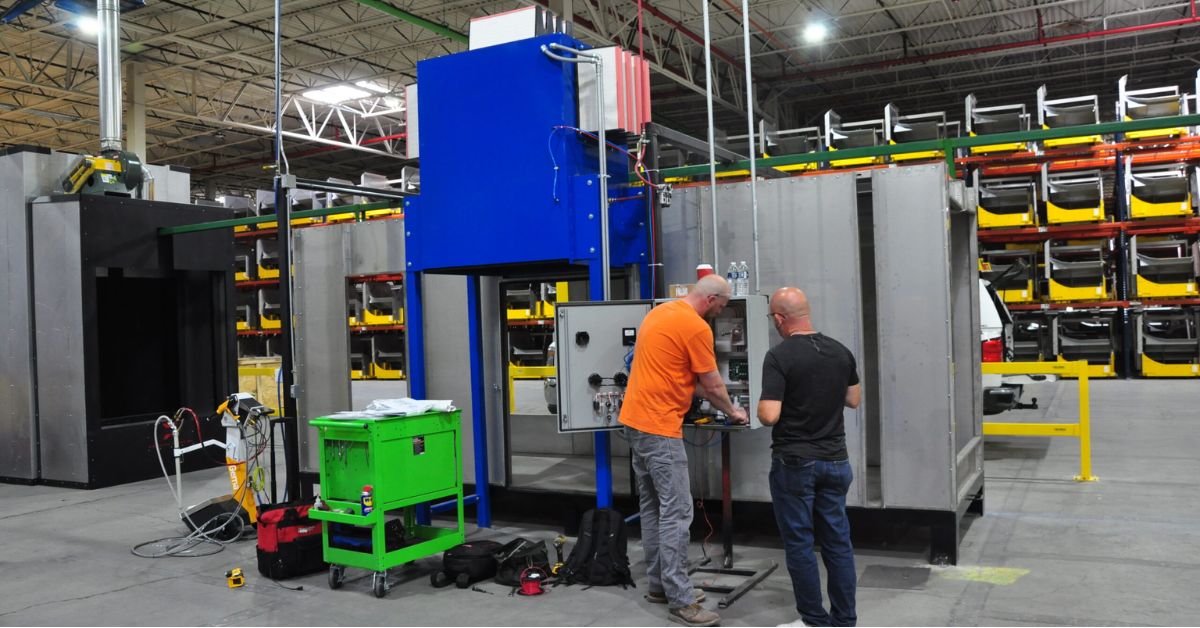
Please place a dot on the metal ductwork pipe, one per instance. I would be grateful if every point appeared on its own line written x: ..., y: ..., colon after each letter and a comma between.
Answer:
x: 108, y: 14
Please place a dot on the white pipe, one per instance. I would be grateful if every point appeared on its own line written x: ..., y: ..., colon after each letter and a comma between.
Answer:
x: 108, y: 14
x: 750, y: 133
x: 712, y: 146
x: 601, y: 151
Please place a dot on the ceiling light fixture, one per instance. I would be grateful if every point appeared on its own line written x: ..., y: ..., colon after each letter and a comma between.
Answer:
x: 336, y: 94
x: 815, y: 32
x: 372, y: 86
x: 87, y: 24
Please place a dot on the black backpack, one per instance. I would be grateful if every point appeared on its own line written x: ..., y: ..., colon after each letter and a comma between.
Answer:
x: 518, y: 555
x: 600, y: 556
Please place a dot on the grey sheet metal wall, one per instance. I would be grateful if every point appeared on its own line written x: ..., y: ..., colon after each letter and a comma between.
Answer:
x: 927, y: 380
x: 325, y: 257
x: 905, y: 302
x: 23, y: 175
x: 448, y: 362
x: 808, y: 237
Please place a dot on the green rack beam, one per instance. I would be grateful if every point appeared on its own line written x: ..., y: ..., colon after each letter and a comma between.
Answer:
x: 254, y: 220
x: 947, y: 145
x: 433, y: 27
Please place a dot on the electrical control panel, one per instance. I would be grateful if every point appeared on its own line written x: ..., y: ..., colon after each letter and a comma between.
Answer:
x: 741, y: 338
x: 595, y: 344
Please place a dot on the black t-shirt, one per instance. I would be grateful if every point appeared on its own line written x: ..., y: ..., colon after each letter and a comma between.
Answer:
x: 809, y: 374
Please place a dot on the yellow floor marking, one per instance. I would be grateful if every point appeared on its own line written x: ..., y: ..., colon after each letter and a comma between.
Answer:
x: 989, y: 575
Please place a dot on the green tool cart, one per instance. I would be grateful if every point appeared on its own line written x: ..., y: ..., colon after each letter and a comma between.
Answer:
x: 408, y: 460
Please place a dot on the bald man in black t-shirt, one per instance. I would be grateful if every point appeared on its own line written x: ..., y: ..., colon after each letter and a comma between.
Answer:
x: 807, y: 380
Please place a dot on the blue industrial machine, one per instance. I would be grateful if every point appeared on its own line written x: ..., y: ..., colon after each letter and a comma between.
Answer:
x: 505, y: 177
x: 511, y: 183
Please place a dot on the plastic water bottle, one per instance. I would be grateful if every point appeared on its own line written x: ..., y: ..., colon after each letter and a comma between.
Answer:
x: 743, y: 279
x: 731, y: 276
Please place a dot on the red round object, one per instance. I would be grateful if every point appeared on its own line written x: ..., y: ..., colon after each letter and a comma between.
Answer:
x: 703, y: 270
x: 531, y: 581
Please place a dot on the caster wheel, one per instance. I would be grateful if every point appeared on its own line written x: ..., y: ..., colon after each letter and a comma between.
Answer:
x: 337, y: 575
x: 462, y: 581
x: 439, y: 579
x: 379, y: 584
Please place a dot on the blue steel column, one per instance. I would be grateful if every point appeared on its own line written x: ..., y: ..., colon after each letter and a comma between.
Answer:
x: 414, y: 314
x: 483, y: 511
x: 602, y: 445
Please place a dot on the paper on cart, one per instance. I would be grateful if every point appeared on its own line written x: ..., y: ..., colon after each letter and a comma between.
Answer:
x: 380, y: 408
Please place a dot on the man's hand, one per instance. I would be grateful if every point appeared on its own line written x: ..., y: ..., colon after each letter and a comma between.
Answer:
x: 739, y: 416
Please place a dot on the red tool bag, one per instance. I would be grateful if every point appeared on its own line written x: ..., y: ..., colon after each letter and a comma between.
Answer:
x: 289, y: 543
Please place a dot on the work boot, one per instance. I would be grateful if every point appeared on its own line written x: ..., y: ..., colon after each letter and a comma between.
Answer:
x: 694, y: 615
x: 660, y: 597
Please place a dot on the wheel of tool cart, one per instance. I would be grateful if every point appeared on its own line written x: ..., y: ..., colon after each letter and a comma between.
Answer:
x: 462, y: 581
x: 379, y: 583
x: 337, y: 575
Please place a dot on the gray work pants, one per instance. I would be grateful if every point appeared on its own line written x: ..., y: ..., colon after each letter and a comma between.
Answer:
x: 665, y: 496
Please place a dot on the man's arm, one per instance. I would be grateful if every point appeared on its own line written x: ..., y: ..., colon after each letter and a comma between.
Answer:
x: 768, y: 411
x: 718, y: 396
x: 853, y: 396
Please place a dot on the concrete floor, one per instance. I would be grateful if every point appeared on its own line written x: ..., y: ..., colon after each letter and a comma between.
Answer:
x: 1122, y: 551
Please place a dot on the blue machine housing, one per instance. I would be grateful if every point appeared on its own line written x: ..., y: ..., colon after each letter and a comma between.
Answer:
x: 505, y: 181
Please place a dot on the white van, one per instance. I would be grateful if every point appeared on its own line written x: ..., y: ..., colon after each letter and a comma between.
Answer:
x: 1000, y: 393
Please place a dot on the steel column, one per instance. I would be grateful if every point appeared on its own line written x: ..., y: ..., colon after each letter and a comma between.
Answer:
x: 483, y: 512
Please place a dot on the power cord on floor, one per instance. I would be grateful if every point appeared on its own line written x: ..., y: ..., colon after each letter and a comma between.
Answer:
x: 202, y: 541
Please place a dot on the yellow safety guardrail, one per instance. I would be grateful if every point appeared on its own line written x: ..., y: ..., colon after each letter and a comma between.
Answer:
x: 1081, y: 430
x: 525, y: 372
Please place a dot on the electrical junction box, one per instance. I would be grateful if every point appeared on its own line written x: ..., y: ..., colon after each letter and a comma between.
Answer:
x: 741, y: 337
x: 591, y: 340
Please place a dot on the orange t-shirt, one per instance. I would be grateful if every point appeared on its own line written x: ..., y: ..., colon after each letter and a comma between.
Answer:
x: 674, y: 345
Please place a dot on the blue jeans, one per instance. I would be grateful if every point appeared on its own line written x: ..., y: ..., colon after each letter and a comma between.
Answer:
x: 810, y: 497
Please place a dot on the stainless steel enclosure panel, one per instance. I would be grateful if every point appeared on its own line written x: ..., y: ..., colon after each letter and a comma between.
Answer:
x: 322, y: 342
x: 808, y: 238
x: 912, y: 249
x: 591, y: 340
x: 967, y: 356
x: 376, y: 247
x: 23, y: 175
x: 448, y: 362
x: 325, y: 257
x: 62, y: 406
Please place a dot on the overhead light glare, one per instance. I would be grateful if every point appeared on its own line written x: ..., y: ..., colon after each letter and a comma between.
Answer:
x: 336, y: 94
x: 815, y: 32
x: 87, y: 24
x: 373, y: 86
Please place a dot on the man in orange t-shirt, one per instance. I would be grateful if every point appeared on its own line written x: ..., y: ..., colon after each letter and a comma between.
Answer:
x: 674, y: 350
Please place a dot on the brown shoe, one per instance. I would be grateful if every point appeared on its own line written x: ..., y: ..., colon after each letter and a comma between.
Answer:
x: 694, y: 615
x: 660, y: 597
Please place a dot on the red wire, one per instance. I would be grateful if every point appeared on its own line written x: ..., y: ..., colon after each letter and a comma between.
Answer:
x: 200, y: 438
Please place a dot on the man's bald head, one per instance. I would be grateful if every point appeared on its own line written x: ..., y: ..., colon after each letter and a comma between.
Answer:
x: 713, y: 285
x: 790, y: 311
x: 710, y: 295
x: 791, y: 302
